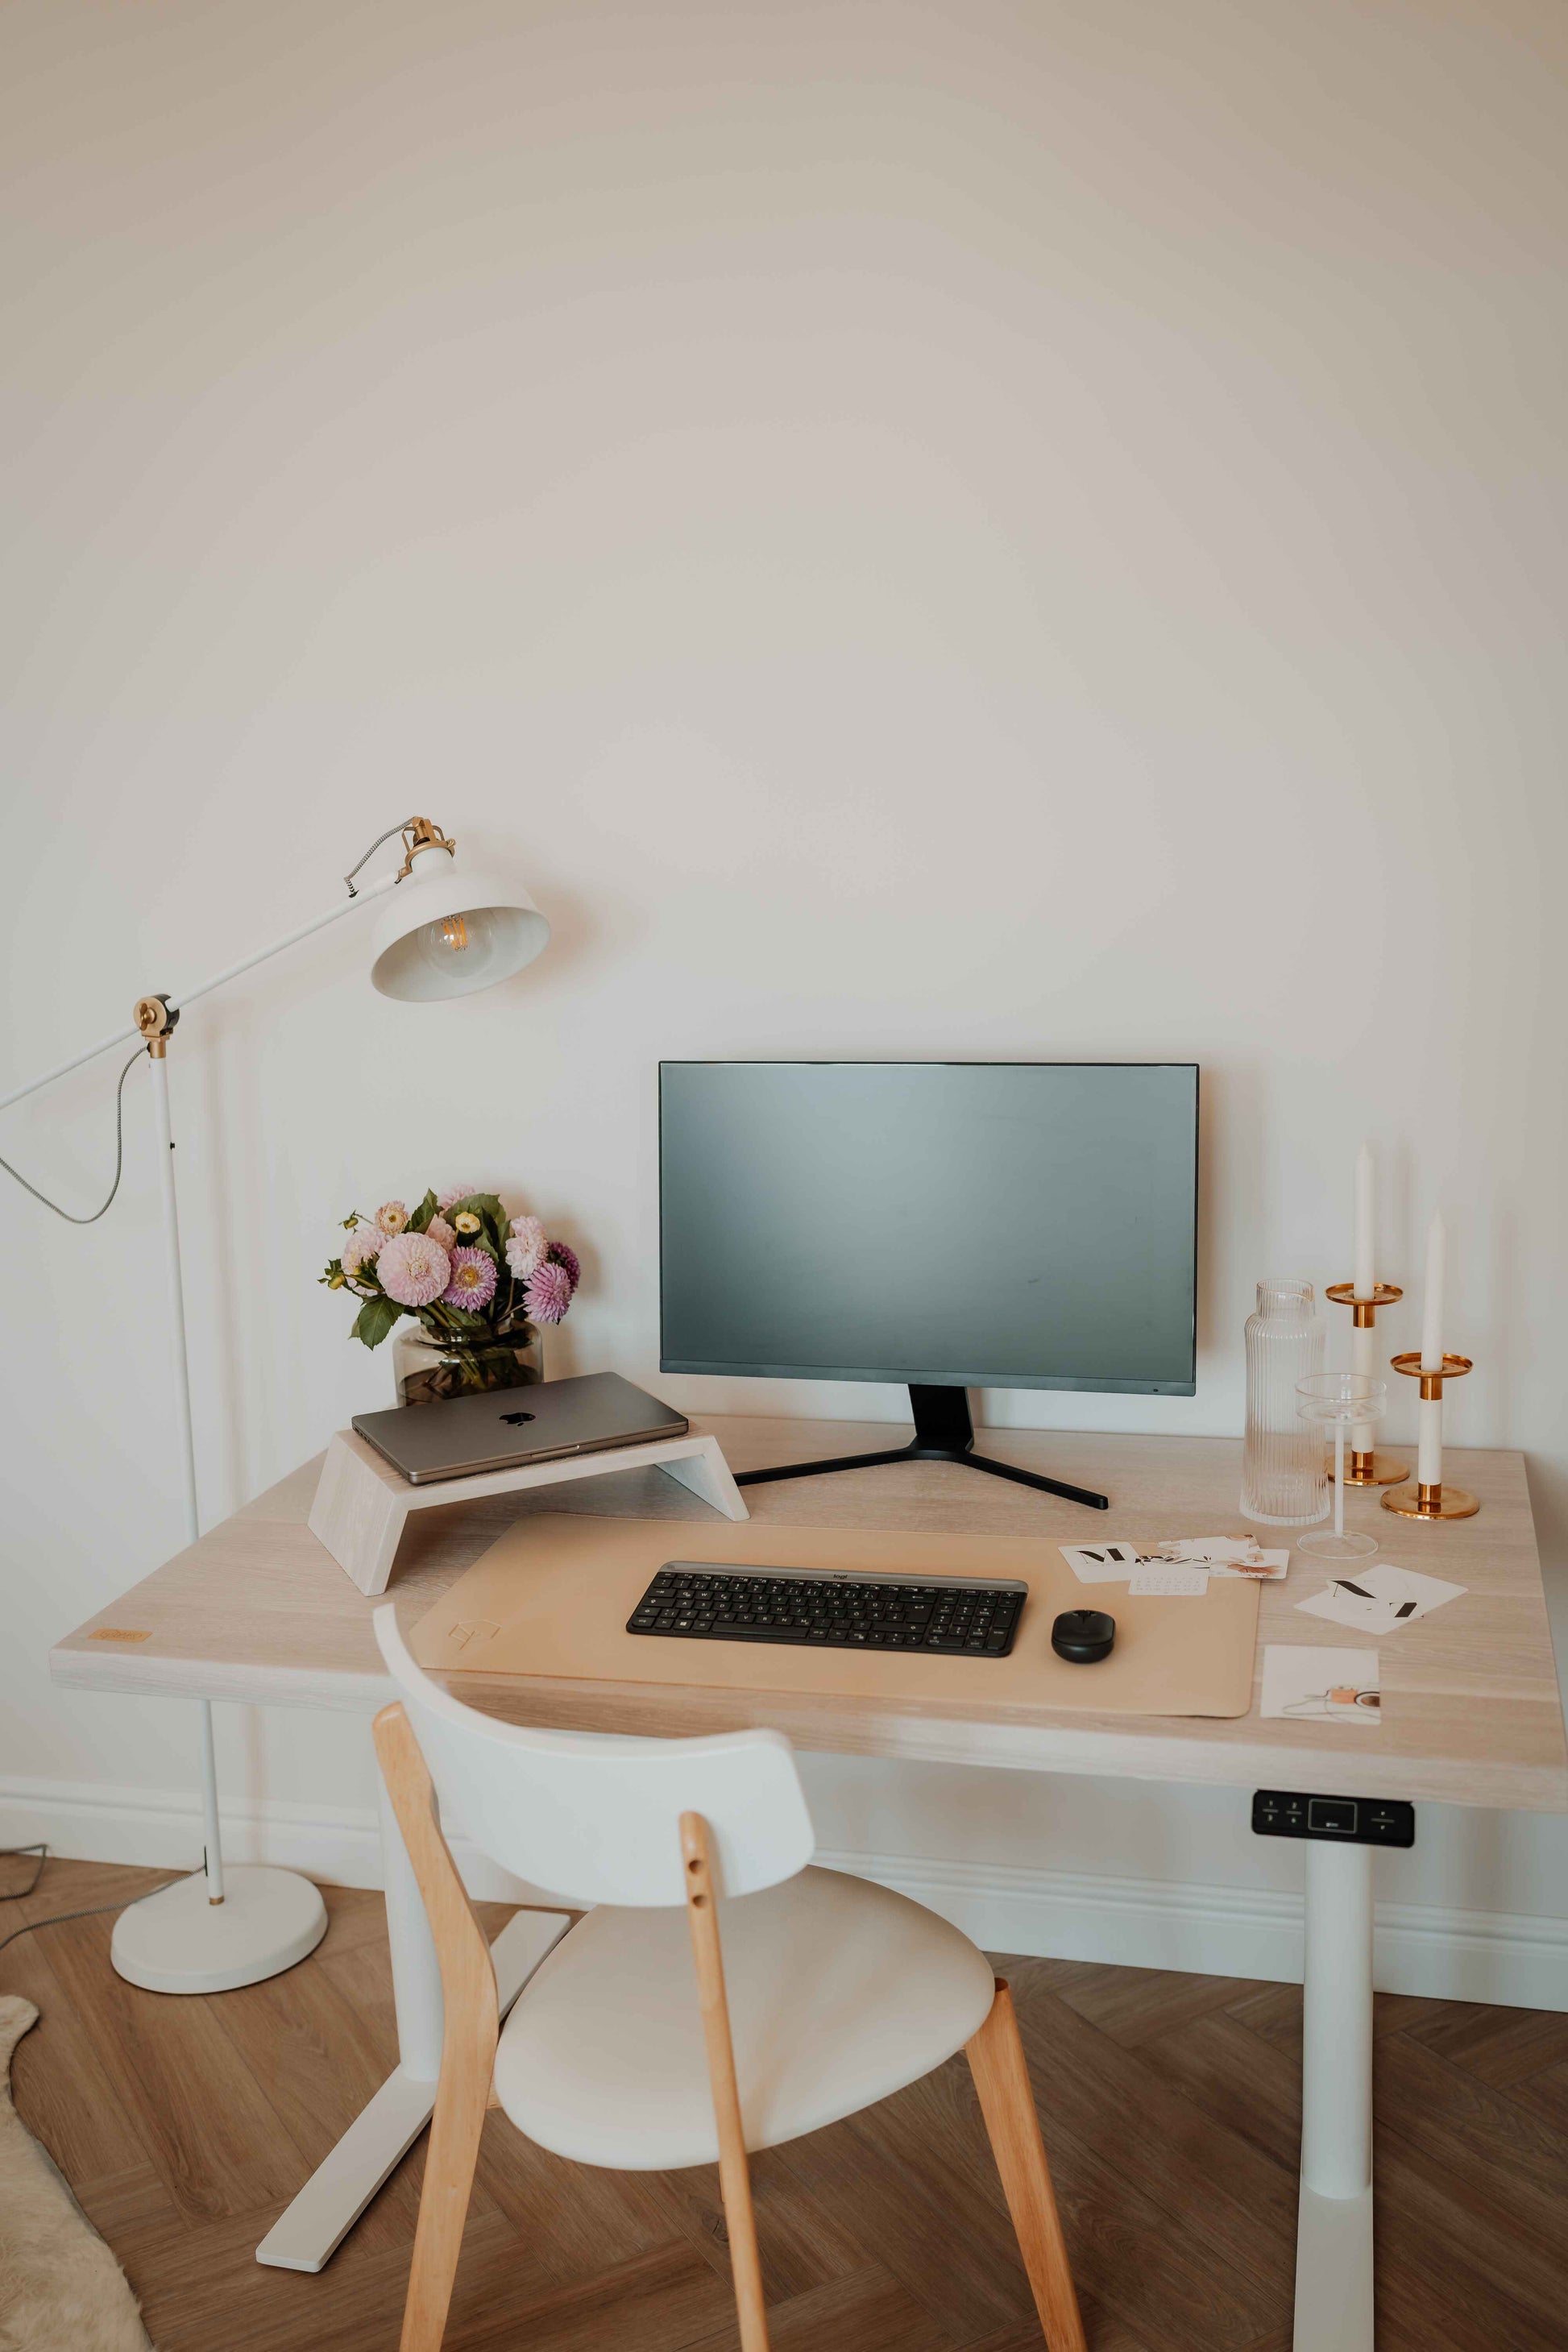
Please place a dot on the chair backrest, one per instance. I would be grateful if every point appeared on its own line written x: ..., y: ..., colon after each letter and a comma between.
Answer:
x: 595, y: 1817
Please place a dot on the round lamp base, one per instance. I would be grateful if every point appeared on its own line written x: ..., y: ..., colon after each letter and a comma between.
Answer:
x: 177, y: 1941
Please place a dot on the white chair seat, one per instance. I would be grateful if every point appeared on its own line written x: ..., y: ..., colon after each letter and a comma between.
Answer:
x: 839, y: 1992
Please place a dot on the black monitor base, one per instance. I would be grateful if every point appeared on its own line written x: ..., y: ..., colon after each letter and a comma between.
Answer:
x: 943, y: 1433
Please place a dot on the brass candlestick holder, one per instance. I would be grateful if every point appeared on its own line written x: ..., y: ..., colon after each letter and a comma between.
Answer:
x: 1363, y: 1467
x: 1432, y: 1500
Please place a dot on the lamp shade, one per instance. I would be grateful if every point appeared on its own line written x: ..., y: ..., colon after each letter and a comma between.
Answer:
x: 451, y: 926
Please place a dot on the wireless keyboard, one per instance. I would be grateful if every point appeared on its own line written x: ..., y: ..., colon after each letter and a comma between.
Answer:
x: 704, y: 1601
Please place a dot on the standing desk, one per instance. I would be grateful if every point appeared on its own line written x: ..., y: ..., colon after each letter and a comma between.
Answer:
x: 258, y: 1611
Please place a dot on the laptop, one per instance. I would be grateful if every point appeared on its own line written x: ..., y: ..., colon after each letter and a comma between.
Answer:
x: 514, y: 1427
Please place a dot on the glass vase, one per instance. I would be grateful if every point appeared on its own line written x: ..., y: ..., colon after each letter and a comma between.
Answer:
x: 1282, y: 1479
x: 427, y: 1367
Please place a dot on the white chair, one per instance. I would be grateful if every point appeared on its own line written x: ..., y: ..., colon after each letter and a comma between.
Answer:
x: 721, y: 1996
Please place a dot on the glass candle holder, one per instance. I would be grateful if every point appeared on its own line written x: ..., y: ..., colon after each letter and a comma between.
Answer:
x: 1339, y: 1400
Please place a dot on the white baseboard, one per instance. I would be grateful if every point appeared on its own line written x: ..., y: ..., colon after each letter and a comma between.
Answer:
x: 1145, y: 1922
x: 1437, y: 1952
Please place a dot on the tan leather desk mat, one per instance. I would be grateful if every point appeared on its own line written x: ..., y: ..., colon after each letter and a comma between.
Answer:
x: 551, y: 1597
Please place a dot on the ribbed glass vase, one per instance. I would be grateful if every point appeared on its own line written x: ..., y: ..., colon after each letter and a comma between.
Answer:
x: 1283, y: 1478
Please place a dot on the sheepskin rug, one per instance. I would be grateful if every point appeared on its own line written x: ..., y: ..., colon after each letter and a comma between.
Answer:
x: 61, y: 2290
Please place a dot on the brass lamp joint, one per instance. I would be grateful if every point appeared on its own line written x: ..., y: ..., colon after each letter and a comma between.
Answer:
x: 156, y: 1018
x: 419, y: 833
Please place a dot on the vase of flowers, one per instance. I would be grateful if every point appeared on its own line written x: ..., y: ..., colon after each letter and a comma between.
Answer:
x: 425, y: 1367
x: 466, y: 1286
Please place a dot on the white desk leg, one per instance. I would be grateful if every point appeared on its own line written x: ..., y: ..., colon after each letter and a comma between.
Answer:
x: 308, y: 2233
x: 1333, y: 2235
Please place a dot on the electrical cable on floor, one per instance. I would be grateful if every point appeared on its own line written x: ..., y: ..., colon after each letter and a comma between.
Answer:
x: 40, y: 1848
x: 70, y: 1220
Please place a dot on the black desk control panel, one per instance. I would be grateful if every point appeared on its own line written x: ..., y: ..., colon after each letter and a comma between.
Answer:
x: 1341, y: 1821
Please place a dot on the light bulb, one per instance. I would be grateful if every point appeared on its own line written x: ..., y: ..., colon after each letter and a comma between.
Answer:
x: 467, y: 940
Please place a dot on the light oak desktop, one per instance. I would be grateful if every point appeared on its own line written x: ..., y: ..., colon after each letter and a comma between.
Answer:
x: 258, y: 1610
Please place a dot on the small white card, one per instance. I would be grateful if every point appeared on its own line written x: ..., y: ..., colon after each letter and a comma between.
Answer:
x: 1226, y: 1556
x: 1110, y: 1563
x: 1101, y: 1563
x: 1380, y: 1598
x: 1169, y: 1581
x: 1321, y: 1686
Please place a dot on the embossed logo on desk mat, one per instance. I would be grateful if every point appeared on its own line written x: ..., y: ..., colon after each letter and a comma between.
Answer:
x: 552, y: 1596
x: 118, y: 1634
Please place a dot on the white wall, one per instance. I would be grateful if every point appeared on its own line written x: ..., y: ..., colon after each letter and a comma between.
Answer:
x: 983, y: 529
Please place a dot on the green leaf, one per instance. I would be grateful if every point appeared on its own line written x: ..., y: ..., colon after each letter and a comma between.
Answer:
x: 419, y: 1222
x: 494, y: 1223
x: 374, y: 1320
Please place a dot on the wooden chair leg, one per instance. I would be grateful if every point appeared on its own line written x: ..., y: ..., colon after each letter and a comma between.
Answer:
x: 454, y: 2150
x: 471, y: 2032
x: 997, y: 2059
x: 734, y: 2172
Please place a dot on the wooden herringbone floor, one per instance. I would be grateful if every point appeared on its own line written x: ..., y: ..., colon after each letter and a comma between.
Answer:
x: 1170, y: 2105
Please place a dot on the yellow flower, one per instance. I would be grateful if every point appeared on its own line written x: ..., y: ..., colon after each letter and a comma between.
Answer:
x: 466, y: 1221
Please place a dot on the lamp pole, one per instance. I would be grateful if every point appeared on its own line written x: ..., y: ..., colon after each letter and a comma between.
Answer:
x: 217, y: 1930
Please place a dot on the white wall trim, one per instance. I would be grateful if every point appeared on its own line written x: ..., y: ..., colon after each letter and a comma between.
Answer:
x: 1146, y: 1923
x: 1435, y: 1951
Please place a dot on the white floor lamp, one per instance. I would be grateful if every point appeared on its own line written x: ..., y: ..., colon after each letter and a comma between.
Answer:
x: 449, y: 928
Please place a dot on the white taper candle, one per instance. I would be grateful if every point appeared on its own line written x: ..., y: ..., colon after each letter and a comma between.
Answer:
x: 1432, y: 1304
x: 1365, y: 1260
x: 1364, y: 1282
x: 1429, y: 1450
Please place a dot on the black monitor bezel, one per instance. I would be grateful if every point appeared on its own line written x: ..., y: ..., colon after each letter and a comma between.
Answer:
x: 928, y: 1376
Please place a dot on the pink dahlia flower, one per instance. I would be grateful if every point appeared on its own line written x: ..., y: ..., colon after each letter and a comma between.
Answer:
x: 413, y: 1269
x: 441, y: 1232
x: 391, y: 1216
x: 569, y: 1261
x: 453, y: 1194
x: 549, y: 1293
x: 526, y: 1246
x: 361, y: 1245
x: 473, y: 1282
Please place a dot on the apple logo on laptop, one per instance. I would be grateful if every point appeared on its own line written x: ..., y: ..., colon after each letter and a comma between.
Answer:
x: 513, y: 1418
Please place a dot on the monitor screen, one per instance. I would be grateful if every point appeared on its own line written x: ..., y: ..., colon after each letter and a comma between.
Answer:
x: 1002, y: 1225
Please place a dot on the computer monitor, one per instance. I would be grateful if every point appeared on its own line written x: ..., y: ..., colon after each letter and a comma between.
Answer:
x: 944, y: 1224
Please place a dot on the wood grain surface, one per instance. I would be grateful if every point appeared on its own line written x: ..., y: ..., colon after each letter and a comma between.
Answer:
x: 258, y: 1610
x: 550, y: 1599
x: 1171, y: 2107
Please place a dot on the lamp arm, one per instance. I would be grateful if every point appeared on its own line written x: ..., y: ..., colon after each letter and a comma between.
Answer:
x: 204, y: 988
x: 291, y: 939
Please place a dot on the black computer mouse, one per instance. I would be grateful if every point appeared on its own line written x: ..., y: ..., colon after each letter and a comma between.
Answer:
x: 1082, y: 1635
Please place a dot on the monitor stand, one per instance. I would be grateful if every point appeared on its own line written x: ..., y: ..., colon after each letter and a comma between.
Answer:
x: 943, y: 1433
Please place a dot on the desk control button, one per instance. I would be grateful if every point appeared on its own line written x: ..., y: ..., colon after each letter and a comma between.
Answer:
x: 1333, y: 1820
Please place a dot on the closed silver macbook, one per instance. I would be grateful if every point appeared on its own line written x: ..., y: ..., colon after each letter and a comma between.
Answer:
x: 463, y: 1436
